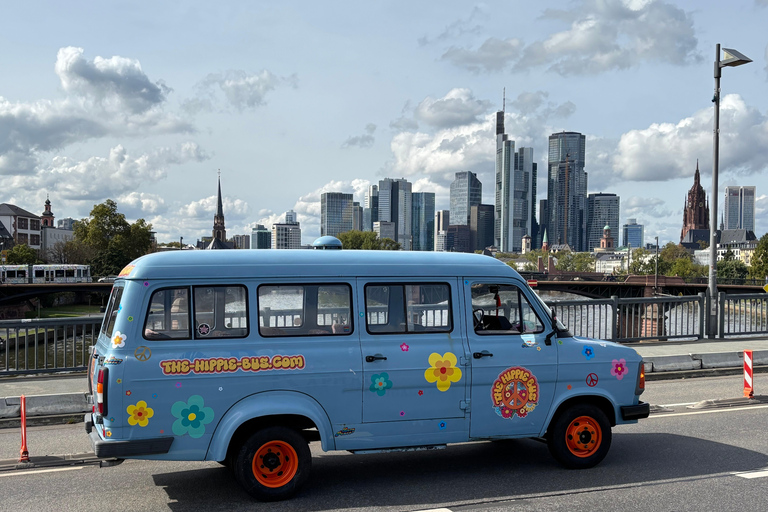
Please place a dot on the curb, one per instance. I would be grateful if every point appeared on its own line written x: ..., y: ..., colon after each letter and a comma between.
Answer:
x: 41, y: 421
x: 45, y: 405
x: 704, y: 372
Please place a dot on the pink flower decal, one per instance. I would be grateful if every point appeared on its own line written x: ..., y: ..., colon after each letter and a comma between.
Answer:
x: 404, y: 347
x: 619, y: 368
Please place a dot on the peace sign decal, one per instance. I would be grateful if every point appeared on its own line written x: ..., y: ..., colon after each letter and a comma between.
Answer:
x: 592, y: 380
x: 142, y: 353
x: 515, y: 393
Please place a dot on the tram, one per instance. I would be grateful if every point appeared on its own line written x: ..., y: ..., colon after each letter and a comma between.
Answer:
x: 42, y: 274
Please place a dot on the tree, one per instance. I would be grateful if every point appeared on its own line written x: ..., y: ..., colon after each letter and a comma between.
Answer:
x: 21, y: 254
x: 758, y: 268
x: 575, y: 262
x: 71, y: 251
x: 669, y: 255
x: 367, y: 241
x: 113, y: 241
x: 642, y: 263
x: 731, y: 268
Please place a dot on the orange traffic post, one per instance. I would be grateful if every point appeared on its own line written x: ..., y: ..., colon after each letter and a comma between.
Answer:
x: 749, y: 388
x: 24, y: 453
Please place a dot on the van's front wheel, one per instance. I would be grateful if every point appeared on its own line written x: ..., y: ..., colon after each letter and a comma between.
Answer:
x: 580, y: 436
x: 273, y: 463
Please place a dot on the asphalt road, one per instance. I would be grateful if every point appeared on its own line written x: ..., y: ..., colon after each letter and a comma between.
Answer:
x: 678, y: 459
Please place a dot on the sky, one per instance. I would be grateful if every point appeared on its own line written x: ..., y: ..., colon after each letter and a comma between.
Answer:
x: 145, y: 102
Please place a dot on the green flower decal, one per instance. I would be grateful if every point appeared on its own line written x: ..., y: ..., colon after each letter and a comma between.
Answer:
x: 380, y: 383
x: 192, y: 416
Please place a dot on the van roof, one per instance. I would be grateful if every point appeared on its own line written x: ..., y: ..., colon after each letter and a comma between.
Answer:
x: 309, y: 263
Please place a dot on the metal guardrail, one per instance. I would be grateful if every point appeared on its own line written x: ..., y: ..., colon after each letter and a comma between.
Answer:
x: 58, y: 345
x: 743, y: 314
x: 47, y: 345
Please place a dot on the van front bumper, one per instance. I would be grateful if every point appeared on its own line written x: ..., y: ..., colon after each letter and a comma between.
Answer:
x: 635, y: 412
x: 125, y: 448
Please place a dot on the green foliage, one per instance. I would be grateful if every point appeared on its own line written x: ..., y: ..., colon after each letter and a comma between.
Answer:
x: 21, y: 254
x: 641, y: 263
x: 111, y: 240
x: 731, y: 268
x: 71, y: 251
x: 367, y: 241
x: 758, y: 268
x: 575, y: 262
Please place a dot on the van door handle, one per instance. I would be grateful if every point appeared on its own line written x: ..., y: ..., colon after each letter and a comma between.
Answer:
x: 370, y: 359
x: 480, y: 355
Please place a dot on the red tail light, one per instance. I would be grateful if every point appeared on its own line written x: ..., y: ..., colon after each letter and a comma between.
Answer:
x: 640, y: 379
x: 101, y: 391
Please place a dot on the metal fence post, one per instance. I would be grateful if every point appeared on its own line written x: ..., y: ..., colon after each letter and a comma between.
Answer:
x: 702, y: 314
x: 721, y: 315
x: 614, y: 317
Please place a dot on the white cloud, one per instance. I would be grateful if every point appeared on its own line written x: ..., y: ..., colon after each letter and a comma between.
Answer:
x: 140, y: 204
x: 492, y: 56
x: 364, y: 141
x: 117, y: 83
x: 666, y: 151
x: 458, y: 28
x: 603, y: 35
x: 239, y: 88
x: 456, y: 108
x: 206, y: 208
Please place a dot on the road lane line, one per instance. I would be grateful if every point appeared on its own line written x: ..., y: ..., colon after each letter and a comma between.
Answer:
x: 22, y: 472
x: 729, y: 409
x: 753, y: 474
x: 678, y: 405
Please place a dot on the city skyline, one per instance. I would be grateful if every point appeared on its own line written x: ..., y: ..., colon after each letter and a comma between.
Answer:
x: 102, y: 103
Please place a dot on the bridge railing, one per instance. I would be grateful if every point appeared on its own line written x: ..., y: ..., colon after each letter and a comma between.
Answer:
x: 47, y: 345
x: 742, y: 314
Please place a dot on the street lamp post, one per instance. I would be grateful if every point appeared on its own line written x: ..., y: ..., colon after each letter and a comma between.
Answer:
x: 732, y: 59
x: 656, y: 270
x: 181, y: 239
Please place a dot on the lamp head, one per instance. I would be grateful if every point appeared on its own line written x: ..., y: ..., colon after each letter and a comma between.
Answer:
x: 734, y: 58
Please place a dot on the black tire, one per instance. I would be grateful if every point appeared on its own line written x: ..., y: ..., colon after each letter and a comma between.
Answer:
x: 284, y: 463
x: 580, y: 436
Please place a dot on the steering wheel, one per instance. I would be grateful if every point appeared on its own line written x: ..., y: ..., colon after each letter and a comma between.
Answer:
x: 477, y: 318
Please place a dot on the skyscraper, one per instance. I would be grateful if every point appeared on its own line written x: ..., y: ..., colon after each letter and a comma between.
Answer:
x: 739, y: 208
x: 423, y: 228
x: 515, y: 202
x: 466, y: 192
x: 567, y: 190
x: 287, y: 235
x: 261, y: 237
x: 442, y: 220
x: 395, y: 206
x: 633, y: 234
x: 481, y: 226
x: 336, y: 212
x: 371, y: 207
x: 602, y: 210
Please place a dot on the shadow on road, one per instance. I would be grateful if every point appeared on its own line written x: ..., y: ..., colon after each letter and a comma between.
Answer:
x: 478, y: 471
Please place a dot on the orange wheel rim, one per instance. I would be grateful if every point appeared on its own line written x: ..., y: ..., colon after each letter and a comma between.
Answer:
x: 583, y: 436
x: 275, y: 464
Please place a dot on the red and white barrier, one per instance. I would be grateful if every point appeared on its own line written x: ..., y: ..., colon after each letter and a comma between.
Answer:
x: 24, y: 453
x: 749, y: 389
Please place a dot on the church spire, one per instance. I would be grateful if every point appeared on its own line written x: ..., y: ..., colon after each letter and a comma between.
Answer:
x: 219, y: 230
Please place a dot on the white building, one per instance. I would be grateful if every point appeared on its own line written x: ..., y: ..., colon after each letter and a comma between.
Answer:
x: 23, y: 226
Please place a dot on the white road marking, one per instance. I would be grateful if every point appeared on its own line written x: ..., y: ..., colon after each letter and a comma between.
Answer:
x: 22, y: 472
x: 435, y: 510
x: 729, y: 409
x: 753, y: 474
x: 678, y: 405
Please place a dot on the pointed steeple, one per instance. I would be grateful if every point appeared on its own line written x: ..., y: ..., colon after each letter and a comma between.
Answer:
x: 696, y: 176
x: 219, y: 230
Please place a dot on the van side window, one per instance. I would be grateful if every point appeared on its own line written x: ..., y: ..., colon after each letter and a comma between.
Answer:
x: 220, y: 311
x: 168, y: 315
x: 112, y: 309
x: 408, y: 308
x: 305, y: 310
x: 502, y: 309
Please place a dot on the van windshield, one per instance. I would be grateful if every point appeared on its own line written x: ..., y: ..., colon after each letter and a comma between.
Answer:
x: 113, y: 307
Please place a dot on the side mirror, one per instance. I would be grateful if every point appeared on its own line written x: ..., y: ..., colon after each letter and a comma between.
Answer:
x: 548, y: 339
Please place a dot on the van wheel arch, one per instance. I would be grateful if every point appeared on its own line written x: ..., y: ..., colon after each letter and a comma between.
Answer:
x: 603, y: 403
x: 303, y: 425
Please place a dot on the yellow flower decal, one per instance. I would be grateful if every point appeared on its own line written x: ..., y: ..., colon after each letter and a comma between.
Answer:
x: 139, y: 414
x: 442, y: 370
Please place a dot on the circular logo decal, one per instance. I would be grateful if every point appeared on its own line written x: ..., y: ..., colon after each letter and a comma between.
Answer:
x: 142, y: 353
x: 515, y: 393
x: 203, y: 329
x: 592, y: 380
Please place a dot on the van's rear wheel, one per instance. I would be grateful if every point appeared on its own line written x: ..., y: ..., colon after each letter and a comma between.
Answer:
x: 580, y: 436
x: 273, y: 463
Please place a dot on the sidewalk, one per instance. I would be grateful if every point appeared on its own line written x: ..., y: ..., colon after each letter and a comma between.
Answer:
x: 63, y: 398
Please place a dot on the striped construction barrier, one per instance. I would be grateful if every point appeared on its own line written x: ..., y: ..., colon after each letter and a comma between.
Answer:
x: 749, y: 389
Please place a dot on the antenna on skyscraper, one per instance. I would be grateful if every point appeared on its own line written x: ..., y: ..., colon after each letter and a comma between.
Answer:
x: 504, y: 100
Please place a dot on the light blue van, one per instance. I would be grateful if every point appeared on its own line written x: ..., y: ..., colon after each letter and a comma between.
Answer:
x: 243, y: 357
